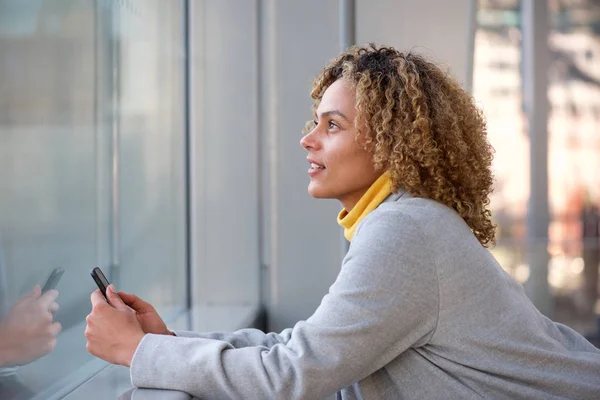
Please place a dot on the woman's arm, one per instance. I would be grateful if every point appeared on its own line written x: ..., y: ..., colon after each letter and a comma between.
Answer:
x: 384, y: 301
x: 242, y: 338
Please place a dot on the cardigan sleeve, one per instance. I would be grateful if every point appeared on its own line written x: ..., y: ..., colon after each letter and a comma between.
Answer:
x: 242, y: 338
x: 383, y: 302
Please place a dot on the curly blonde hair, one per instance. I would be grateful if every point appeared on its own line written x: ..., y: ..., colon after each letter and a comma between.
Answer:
x: 421, y: 127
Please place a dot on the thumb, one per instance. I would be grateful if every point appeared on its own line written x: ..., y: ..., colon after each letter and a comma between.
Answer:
x: 114, y: 299
x: 137, y: 304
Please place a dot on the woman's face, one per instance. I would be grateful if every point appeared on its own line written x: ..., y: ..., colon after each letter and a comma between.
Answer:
x: 340, y: 168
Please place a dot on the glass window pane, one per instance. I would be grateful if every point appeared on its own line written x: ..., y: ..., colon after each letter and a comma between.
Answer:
x: 573, y: 148
x: 92, y: 150
x: 573, y: 161
x: 497, y: 87
x: 52, y: 205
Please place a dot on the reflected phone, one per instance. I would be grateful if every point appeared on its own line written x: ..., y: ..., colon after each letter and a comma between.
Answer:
x: 100, y: 280
x: 53, y: 279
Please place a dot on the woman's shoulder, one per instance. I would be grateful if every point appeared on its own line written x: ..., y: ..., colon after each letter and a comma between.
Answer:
x: 403, y: 214
x: 420, y: 210
x: 396, y: 216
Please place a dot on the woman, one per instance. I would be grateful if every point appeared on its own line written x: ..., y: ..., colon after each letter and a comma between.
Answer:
x: 420, y: 308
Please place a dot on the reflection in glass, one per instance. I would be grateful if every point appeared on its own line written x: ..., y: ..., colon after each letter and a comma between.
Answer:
x: 92, y: 160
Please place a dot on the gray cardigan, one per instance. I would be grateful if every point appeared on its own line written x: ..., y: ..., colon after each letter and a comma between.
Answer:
x: 420, y: 310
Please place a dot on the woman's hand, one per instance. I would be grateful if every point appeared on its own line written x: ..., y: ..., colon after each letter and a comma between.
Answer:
x: 113, y: 332
x: 28, y: 332
x: 146, y: 315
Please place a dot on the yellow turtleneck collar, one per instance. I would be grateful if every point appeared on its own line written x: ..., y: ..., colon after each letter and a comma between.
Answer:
x: 378, y: 191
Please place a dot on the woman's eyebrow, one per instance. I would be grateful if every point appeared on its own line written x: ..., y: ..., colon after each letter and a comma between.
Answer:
x: 332, y: 112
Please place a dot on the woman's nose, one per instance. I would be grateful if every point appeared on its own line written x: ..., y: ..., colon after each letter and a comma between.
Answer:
x: 309, y: 141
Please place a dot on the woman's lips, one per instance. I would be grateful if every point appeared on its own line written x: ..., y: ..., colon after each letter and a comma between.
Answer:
x: 312, y: 171
x: 315, y: 167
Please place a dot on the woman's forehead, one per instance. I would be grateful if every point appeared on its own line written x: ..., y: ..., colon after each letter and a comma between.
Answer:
x: 339, y: 96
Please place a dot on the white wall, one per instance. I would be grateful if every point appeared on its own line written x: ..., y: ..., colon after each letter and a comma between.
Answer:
x: 224, y: 141
x: 301, y: 250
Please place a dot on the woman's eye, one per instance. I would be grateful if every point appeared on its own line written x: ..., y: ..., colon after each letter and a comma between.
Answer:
x: 315, y: 122
x: 333, y: 126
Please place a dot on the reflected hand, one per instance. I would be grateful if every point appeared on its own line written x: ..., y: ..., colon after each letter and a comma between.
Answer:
x: 28, y: 332
x: 146, y: 315
x: 113, y: 332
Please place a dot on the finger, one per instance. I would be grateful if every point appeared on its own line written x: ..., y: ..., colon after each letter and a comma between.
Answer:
x: 54, y: 307
x: 135, y: 302
x: 29, y: 296
x: 114, y: 299
x: 48, y: 298
x: 50, y: 346
x: 33, y: 293
x: 55, y: 328
x: 97, y: 298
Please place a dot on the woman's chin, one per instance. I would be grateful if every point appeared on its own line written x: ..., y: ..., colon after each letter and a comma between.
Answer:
x: 317, y: 192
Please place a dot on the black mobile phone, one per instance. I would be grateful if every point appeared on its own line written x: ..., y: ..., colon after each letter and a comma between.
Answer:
x: 53, y: 279
x: 100, y: 280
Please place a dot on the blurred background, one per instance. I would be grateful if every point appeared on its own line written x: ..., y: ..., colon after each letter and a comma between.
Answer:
x: 159, y: 140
